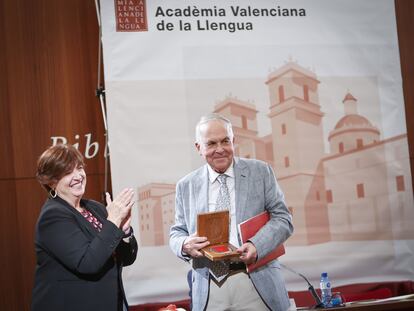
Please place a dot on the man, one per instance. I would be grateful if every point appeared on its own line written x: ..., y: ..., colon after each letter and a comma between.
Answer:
x: 252, y: 189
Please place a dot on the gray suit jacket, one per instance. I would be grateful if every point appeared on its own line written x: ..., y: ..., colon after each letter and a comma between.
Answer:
x: 256, y: 191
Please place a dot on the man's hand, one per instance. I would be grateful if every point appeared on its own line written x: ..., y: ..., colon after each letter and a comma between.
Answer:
x: 193, y: 244
x: 248, y: 253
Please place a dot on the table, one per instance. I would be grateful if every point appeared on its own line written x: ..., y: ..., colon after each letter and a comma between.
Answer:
x: 374, y: 305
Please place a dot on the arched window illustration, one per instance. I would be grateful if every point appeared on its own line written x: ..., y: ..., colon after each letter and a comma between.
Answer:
x: 281, y: 94
x: 360, y: 191
x: 306, y: 93
x: 329, y: 197
x: 400, y: 183
x: 341, y: 147
x: 244, y: 122
x: 287, y: 162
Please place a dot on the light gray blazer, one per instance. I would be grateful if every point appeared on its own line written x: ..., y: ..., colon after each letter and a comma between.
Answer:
x: 256, y: 190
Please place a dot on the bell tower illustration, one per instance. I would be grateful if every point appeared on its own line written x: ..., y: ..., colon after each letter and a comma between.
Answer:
x: 298, y: 147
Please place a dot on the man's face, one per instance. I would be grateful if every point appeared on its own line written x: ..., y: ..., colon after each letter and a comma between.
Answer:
x: 216, y: 146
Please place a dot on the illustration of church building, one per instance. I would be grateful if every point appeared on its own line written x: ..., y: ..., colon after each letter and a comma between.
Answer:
x: 360, y: 190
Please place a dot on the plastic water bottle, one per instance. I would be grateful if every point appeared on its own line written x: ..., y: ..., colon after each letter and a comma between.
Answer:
x: 326, y: 291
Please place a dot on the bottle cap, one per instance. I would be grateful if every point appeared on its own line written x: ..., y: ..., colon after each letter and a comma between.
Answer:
x: 324, y: 274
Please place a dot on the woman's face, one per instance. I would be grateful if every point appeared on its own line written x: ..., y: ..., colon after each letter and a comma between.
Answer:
x: 71, y: 187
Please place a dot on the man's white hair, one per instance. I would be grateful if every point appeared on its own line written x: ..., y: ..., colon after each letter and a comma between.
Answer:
x: 213, y: 117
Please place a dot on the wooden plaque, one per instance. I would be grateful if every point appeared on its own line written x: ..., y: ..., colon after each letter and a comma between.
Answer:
x: 215, y: 226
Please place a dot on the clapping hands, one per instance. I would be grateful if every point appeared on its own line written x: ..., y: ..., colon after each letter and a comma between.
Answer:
x: 119, y: 210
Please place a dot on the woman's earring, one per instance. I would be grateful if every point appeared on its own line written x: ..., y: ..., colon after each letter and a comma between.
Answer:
x: 52, y: 193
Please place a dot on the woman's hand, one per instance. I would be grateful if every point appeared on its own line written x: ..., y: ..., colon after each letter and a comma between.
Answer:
x: 119, y: 210
x: 126, y: 224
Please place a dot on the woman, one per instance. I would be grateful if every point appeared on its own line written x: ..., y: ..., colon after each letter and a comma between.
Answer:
x: 81, y: 246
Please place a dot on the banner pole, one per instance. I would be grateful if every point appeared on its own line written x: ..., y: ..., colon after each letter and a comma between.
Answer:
x: 100, y: 93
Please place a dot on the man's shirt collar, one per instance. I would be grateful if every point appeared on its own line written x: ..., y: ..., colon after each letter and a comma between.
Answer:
x: 212, y: 174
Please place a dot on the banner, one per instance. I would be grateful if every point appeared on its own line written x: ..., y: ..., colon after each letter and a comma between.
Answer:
x: 311, y: 87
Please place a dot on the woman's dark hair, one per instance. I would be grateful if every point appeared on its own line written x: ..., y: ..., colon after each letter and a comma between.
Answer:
x: 56, y: 162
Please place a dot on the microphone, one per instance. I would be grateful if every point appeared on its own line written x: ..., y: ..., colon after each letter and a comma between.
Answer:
x: 312, y: 290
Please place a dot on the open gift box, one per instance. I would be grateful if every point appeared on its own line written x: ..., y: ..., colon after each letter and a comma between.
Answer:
x: 215, y: 226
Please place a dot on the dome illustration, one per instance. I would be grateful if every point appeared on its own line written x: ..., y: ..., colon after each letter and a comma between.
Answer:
x: 353, y: 120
